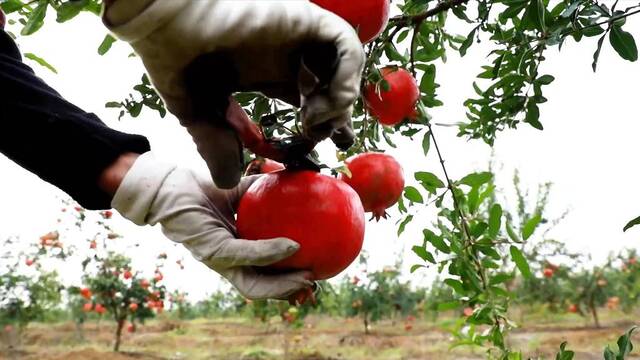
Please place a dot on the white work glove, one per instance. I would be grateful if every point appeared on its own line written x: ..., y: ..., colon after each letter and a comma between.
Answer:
x: 227, y: 46
x: 193, y: 212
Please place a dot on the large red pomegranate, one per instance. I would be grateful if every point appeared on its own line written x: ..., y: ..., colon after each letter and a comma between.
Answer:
x: 323, y: 214
x: 378, y: 179
x: 369, y: 17
x: 263, y: 166
x: 398, y: 102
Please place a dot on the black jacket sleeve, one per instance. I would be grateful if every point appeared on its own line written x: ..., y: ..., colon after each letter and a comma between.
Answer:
x: 51, y: 137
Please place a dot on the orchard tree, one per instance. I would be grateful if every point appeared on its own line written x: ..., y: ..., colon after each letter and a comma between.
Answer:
x: 462, y: 242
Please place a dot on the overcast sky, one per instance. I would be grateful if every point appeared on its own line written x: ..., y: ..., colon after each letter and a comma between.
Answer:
x: 588, y: 149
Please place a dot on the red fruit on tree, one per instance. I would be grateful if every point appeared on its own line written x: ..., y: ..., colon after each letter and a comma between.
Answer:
x: 573, y: 308
x: 131, y: 328
x: 468, y: 311
x: 547, y: 272
x: 378, y: 179
x: 107, y: 214
x: 128, y: 275
x: 324, y: 215
x: 100, y: 309
x: 263, y: 166
x: 158, y: 277
x: 87, y: 307
x: 133, y: 306
x: 398, y: 101
x: 93, y: 245
x: 408, y: 327
x: 368, y: 17
x: 86, y: 293
x: 144, y: 283
x: 29, y: 262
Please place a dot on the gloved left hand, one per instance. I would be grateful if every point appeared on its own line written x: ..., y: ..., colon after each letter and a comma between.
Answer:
x: 199, y: 52
x: 200, y: 216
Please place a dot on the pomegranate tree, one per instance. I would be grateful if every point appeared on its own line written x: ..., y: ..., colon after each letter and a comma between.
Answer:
x: 323, y: 214
x: 368, y: 17
x: 378, y: 179
x: 395, y: 99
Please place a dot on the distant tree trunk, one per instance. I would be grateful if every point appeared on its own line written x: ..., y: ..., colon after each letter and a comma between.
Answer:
x: 366, y: 323
x: 80, y: 330
x: 116, y: 346
x: 594, y: 312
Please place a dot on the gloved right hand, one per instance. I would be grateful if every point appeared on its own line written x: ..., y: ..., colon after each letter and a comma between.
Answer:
x: 200, y: 216
x: 250, y: 45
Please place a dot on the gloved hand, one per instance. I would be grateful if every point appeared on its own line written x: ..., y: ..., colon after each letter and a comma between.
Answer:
x: 193, y: 212
x: 198, y: 52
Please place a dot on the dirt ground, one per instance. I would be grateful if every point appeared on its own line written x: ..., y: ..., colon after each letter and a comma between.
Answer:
x: 320, y: 339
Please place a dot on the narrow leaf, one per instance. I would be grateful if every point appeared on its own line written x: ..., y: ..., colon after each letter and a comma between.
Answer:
x: 521, y: 261
x: 41, y: 62
x: 631, y: 224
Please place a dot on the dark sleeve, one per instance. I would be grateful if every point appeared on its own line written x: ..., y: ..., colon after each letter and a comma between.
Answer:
x: 51, y: 137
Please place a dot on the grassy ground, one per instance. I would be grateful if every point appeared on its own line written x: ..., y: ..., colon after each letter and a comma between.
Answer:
x: 321, y: 338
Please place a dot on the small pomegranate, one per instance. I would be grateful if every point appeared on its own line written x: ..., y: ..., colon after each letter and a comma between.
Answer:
x: 398, y: 102
x: 100, y: 309
x: 87, y: 307
x: 86, y: 293
x: 468, y: 311
x: 378, y: 179
x: 368, y: 17
x: 158, y: 277
x: 144, y: 283
x: 408, y: 327
x: 263, y: 166
x: 131, y: 328
x: 93, y: 245
x: 29, y: 262
x: 127, y: 275
x: 321, y: 213
x: 547, y: 272
x: 107, y: 214
x: 133, y: 307
x: 573, y: 308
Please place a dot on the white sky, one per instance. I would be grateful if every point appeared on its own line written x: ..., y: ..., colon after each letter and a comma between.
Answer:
x: 588, y: 149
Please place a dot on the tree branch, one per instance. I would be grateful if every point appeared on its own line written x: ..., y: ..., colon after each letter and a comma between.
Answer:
x: 441, y: 7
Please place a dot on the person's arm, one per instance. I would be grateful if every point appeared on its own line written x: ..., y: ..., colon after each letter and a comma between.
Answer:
x: 62, y: 144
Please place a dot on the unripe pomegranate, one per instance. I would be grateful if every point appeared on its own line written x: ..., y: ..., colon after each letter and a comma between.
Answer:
x: 398, y: 102
x: 323, y: 214
x: 378, y: 179
x: 368, y: 17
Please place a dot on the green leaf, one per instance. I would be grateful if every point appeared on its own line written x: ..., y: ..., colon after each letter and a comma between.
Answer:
x: 466, y: 44
x: 426, y: 143
x: 413, y: 195
x: 113, y: 104
x: 429, y: 181
x: 70, y: 9
x: 533, y: 115
x: 436, y: 241
x: 534, y: 16
x: 450, y: 305
x: 455, y: 285
x: 106, y: 44
x: 404, y: 223
x: 423, y: 254
x: 495, y: 220
x: 9, y: 6
x: 565, y: 354
x: 500, y: 278
x: 36, y: 18
x: 476, y: 179
x: 624, y: 343
x: 512, y: 233
x: 521, y: 261
x: 414, y: 268
x: 530, y: 226
x: 631, y: 224
x: 545, y: 79
x: 41, y: 62
x: 596, y: 55
x: 623, y: 43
